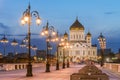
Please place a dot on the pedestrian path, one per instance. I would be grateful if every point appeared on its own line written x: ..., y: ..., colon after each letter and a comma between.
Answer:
x: 40, y: 74
x: 112, y: 75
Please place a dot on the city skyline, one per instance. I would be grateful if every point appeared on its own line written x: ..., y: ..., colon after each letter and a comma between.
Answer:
x: 96, y: 16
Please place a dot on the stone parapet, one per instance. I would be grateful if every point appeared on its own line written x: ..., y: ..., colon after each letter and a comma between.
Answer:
x: 112, y: 66
x: 17, y: 66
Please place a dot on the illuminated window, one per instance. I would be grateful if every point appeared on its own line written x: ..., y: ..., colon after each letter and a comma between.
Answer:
x: 83, y: 53
x: 77, y: 52
x: 94, y: 53
x: 88, y: 52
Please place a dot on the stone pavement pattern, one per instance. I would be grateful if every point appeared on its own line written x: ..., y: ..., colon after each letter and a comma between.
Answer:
x: 89, y: 72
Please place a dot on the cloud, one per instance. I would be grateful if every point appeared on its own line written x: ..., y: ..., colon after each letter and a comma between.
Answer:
x: 4, y: 28
x: 109, y: 13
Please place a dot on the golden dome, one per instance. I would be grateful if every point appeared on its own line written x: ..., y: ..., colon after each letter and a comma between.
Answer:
x: 76, y: 26
x: 65, y: 34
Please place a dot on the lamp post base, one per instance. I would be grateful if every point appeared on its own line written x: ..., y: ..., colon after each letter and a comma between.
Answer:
x: 57, y: 66
x: 63, y: 65
x: 68, y: 65
x: 29, y: 70
x: 101, y: 64
x: 47, y: 67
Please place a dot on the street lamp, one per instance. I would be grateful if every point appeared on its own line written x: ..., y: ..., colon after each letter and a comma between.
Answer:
x: 34, y: 48
x: 23, y: 45
x: 26, y: 19
x: 49, y: 33
x: 63, y: 44
x: 57, y: 56
x: 14, y: 43
x: 4, y: 40
x: 67, y: 46
x: 25, y: 40
x: 49, y: 52
x: 68, y: 57
x: 102, y: 43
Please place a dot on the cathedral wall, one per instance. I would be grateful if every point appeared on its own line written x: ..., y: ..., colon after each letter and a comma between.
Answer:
x: 77, y: 35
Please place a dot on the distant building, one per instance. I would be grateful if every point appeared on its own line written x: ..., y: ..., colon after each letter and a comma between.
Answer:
x: 118, y: 54
x: 10, y: 55
x: 81, y: 43
x: 119, y: 50
x: 106, y: 51
x: 21, y: 55
x: 41, y: 55
x: 1, y: 55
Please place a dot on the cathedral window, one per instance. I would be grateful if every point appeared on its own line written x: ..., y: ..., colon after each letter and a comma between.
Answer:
x: 88, y: 52
x: 74, y: 36
x: 77, y: 52
x: 71, y: 36
x: 60, y: 53
x: 77, y: 36
x: 93, y: 53
x: 83, y: 53
x: 77, y: 45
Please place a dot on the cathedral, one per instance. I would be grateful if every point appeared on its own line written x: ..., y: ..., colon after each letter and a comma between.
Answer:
x: 81, y: 47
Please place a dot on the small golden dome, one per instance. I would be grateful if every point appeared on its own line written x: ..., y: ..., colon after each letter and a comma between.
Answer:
x: 65, y: 34
x: 89, y: 34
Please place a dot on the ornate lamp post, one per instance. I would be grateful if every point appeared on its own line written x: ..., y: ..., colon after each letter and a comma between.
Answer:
x: 64, y: 45
x: 34, y: 48
x: 14, y: 43
x: 68, y: 63
x: 48, y: 32
x: 49, y: 52
x: 4, y: 40
x: 25, y: 40
x: 67, y: 46
x: 22, y: 45
x: 57, y: 56
x: 26, y: 19
x: 102, y: 43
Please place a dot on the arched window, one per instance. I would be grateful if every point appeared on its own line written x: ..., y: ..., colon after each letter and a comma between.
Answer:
x: 74, y: 36
x: 93, y: 53
x: 83, y: 53
x: 88, y: 52
x: 79, y: 36
x: 77, y: 52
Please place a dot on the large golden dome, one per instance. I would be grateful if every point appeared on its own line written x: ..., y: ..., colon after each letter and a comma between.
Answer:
x: 76, y: 26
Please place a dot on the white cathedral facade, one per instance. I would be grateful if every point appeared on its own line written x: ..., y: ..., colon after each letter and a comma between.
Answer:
x: 81, y: 46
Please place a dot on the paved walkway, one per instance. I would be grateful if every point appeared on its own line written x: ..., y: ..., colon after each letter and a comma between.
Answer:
x: 40, y: 74
x: 112, y: 75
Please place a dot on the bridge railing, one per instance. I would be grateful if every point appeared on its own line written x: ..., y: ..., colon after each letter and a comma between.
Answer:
x: 17, y: 66
x: 113, y: 66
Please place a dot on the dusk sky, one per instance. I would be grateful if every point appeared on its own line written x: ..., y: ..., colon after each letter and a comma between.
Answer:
x: 96, y: 15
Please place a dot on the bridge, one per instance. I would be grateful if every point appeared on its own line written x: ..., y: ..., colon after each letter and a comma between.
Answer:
x: 62, y: 74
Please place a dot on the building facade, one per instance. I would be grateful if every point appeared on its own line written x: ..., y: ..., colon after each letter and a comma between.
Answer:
x: 81, y: 46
